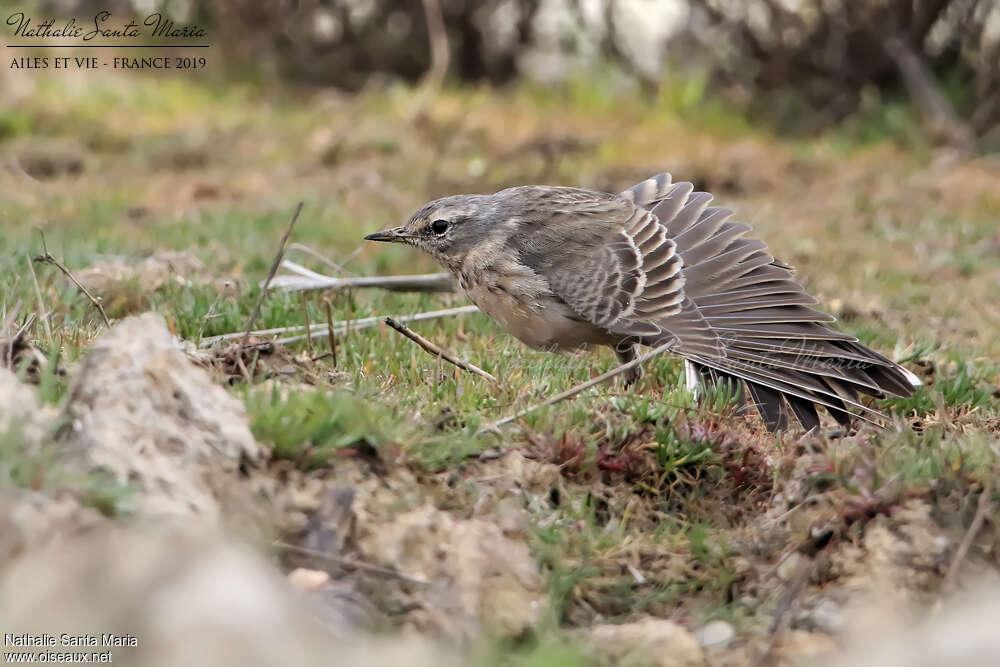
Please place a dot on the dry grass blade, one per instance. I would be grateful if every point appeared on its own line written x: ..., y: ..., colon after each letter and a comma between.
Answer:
x: 583, y: 386
x: 303, y: 248
x: 270, y: 275
x: 46, y: 258
x: 42, y: 312
x: 438, y: 351
x: 331, y: 335
x: 306, y: 279
x: 305, y: 316
x: 340, y: 327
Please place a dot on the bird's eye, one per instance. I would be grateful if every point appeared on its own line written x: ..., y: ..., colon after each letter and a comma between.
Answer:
x: 439, y: 227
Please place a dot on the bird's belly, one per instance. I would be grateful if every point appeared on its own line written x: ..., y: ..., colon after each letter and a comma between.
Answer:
x: 544, y: 322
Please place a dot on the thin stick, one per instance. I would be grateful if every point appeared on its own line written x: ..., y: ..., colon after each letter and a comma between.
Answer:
x: 41, y: 304
x: 306, y: 279
x: 319, y: 329
x: 305, y: 316
x: 792, y: 590
x: 49, y: 259
x: 982, y: 507
x: 303, y: 248
x: 270, y: 274
x: 570, y: 393
x: 349, y: 562
x: 330, y: 334
x: 354, y: 254
x: 438, y: 351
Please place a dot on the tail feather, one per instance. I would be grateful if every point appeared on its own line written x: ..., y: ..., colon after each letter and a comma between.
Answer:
x: 771, y: 406
x: 791, y: 385
x: 805, y: 412
x: 767, y: 336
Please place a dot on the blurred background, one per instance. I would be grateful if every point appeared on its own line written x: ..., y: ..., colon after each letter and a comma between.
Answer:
x: 803, y: 65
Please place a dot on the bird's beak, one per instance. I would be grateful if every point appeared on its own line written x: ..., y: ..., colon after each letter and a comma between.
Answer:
x: 394, y: 235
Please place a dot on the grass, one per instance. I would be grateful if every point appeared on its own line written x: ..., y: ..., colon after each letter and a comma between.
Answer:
x: 677, y: 486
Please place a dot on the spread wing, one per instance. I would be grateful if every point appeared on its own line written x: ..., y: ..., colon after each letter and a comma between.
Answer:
x: 662, y: 264
x: 629, y: 280
x: 782, y: 350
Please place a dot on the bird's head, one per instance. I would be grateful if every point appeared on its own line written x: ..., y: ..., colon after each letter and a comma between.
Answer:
x: 446, y: 229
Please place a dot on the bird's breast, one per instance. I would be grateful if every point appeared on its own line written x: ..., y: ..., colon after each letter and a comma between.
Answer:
x: 521, y: 301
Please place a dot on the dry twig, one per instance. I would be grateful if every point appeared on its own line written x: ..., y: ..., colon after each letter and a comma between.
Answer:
x: 306, y: 279
x: 320, y: 329
x: 792, y: 590
x: 303, y: 248
x: 248, y: 373
x: 570, y: 393
x: 330, y: 334
x: 982, y: 508
x: 438, y: 351
x: 270, y: 274
x: 349, y: 562
x: 47, y: 258
x: 305, y: 316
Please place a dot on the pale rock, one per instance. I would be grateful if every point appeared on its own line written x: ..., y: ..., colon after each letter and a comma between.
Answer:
x: 650, y: 642
x: 715, y: 633
x: 143, y: 413
x: 477, y: 577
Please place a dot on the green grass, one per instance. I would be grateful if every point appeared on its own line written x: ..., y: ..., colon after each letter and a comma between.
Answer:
x: 959, y: 385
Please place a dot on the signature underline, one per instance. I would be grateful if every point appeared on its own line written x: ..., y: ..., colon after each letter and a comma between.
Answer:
x: 109, y: 46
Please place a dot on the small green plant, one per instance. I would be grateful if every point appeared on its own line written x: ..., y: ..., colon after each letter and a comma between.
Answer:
x: 965, y: 387
x: 674, y: 452
x: 312, y: 425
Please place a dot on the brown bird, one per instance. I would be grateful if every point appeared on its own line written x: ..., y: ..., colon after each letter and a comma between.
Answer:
x: 562, y: 268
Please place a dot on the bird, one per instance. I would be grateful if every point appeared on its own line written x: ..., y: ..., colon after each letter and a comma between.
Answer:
x: 563, y: 268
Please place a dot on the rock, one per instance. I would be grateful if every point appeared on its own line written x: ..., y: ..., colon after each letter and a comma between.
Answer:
x: 512, y: 476
x: 30, y: 520
x: 308, y: 580
x: 478, y: 578
x: 824, y: 615
x: 125, y: 286
x: 790, y: 566
x: 139, y: 410
x: 187, y: 598
x: 961, y: 631
x: 899, y: 557
x: 20, y: 412
x: 799, y: 648
x: 715, y: 633
x: 651, y: 642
